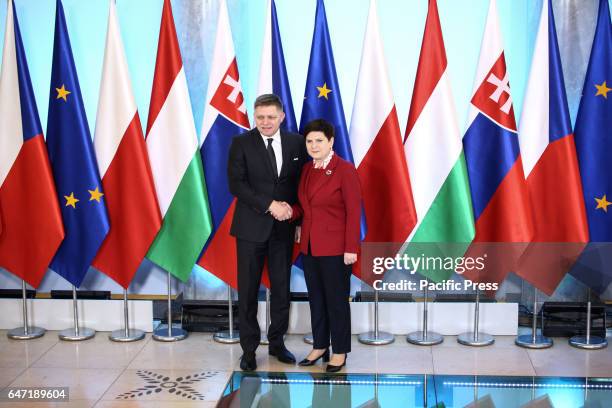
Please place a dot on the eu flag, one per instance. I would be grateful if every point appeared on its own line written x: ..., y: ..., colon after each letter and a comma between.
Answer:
x: 594, y: 148
x: 322, y: 98
x: 74, y: 164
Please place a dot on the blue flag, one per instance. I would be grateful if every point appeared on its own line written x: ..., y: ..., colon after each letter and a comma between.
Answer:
x: 322, y: 99
x: 74, y: 164
x: 280, y: 81
x: 593, y: 135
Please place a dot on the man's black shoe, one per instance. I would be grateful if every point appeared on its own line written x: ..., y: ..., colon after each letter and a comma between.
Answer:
x: 248, y: 363
x: 282, y: 354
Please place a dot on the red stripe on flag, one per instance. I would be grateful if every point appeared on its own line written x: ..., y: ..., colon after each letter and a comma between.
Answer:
x: 432, y: 64
x: 385, y: 186
x: 504, y: 229
x: 168, y: 64
x: 132, y: 207
x: 560, y: 221
x: 31, y: 218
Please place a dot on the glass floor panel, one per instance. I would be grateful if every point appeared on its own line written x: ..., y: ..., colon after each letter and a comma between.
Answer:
x: 304, y: 390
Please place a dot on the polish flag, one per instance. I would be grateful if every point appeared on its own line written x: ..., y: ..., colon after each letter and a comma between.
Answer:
x: 378, y: 151
x: 124, y: 167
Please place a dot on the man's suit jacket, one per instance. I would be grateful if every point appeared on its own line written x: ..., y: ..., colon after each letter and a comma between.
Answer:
x: 330, y: 209
x: 253, y: 182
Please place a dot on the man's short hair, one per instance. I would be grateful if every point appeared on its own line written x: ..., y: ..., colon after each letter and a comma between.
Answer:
x: 320, y: 125
x: 269, y: 100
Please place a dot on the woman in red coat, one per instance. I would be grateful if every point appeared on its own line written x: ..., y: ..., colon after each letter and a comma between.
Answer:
x: 330, y: 206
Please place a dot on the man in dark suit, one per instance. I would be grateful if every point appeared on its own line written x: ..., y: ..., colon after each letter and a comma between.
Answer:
x: 263, y: 172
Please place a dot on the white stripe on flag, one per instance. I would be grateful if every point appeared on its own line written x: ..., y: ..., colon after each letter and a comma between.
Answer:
x: 116, y: 107
x: 11, y: 131
x: 172, y: 142
x: 373, y: 97
x: 534, y: 126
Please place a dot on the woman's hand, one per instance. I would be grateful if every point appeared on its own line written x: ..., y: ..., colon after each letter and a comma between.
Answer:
x: 349, y: 258
x: 298, y: 233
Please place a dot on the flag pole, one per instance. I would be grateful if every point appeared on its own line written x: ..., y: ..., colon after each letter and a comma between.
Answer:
x: 230, y: 336
x: 425, y: 337
x: 126, y: 334
x: 169, y: 333
x: 376, y: 337
x: 476, y: 338
x: 26, y: 332
x: 534, y: 340
x: 588, y: 342
x: 76, y: 333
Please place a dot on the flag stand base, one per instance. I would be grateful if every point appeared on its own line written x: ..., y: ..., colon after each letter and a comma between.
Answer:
x: 376, y: 339
x: 227, y: 337
x: 531, y: 342
x: 308, y: 339
x: 591, y: 343
x: 422, y: 338
x: 588, y: 342
x: 176, y: 333
x: 169, y: 332
x: 478, y: 340
x: 122, y: 337
x: 71, y: 334
x: 20, y: 333
x: 534, y: 340
x: 425, y: 337
x: 126, y: 334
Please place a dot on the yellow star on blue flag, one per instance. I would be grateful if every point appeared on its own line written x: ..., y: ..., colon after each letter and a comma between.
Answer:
x: 62, y: 93
x: 323, y: 91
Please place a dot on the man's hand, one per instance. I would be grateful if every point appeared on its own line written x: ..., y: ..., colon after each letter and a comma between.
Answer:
x: 280, y: 210
x: 298, y: 233
x: 349, y: 258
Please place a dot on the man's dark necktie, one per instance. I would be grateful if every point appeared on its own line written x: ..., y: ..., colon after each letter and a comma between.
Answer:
x: 272, y: 156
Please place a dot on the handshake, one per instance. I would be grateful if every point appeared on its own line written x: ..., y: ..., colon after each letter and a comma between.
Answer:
x: 280, y: 210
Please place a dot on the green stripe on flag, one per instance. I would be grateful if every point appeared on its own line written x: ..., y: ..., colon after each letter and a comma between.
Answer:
x: 186, y: 226
x: 448, y: 227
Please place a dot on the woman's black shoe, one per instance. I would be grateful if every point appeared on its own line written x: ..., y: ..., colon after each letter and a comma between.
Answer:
x: 306, y: 362
x: 334, y: 368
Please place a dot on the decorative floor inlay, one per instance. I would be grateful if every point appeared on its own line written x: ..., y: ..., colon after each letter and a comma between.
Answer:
x: 156, y: 383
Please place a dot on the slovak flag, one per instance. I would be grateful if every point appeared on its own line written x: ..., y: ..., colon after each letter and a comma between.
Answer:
x: 500, y: 198
x: 32, y: 227
x: 225, y: 116
x: 551, y: 166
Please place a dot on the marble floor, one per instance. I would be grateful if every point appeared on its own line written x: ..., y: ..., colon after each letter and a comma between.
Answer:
x: 194, y: 372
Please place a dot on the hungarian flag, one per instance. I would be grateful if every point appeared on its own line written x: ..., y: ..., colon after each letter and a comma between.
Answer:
x: 551, y: 166
x: 434, y: 153
x: 594, y: 148
x: 378, y: 152
x: 74, y: 164
x: 124, y: 166
x: 32, y: 228
x: 172, y: 143
x: 500, y: 200
x: 225, y: 116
